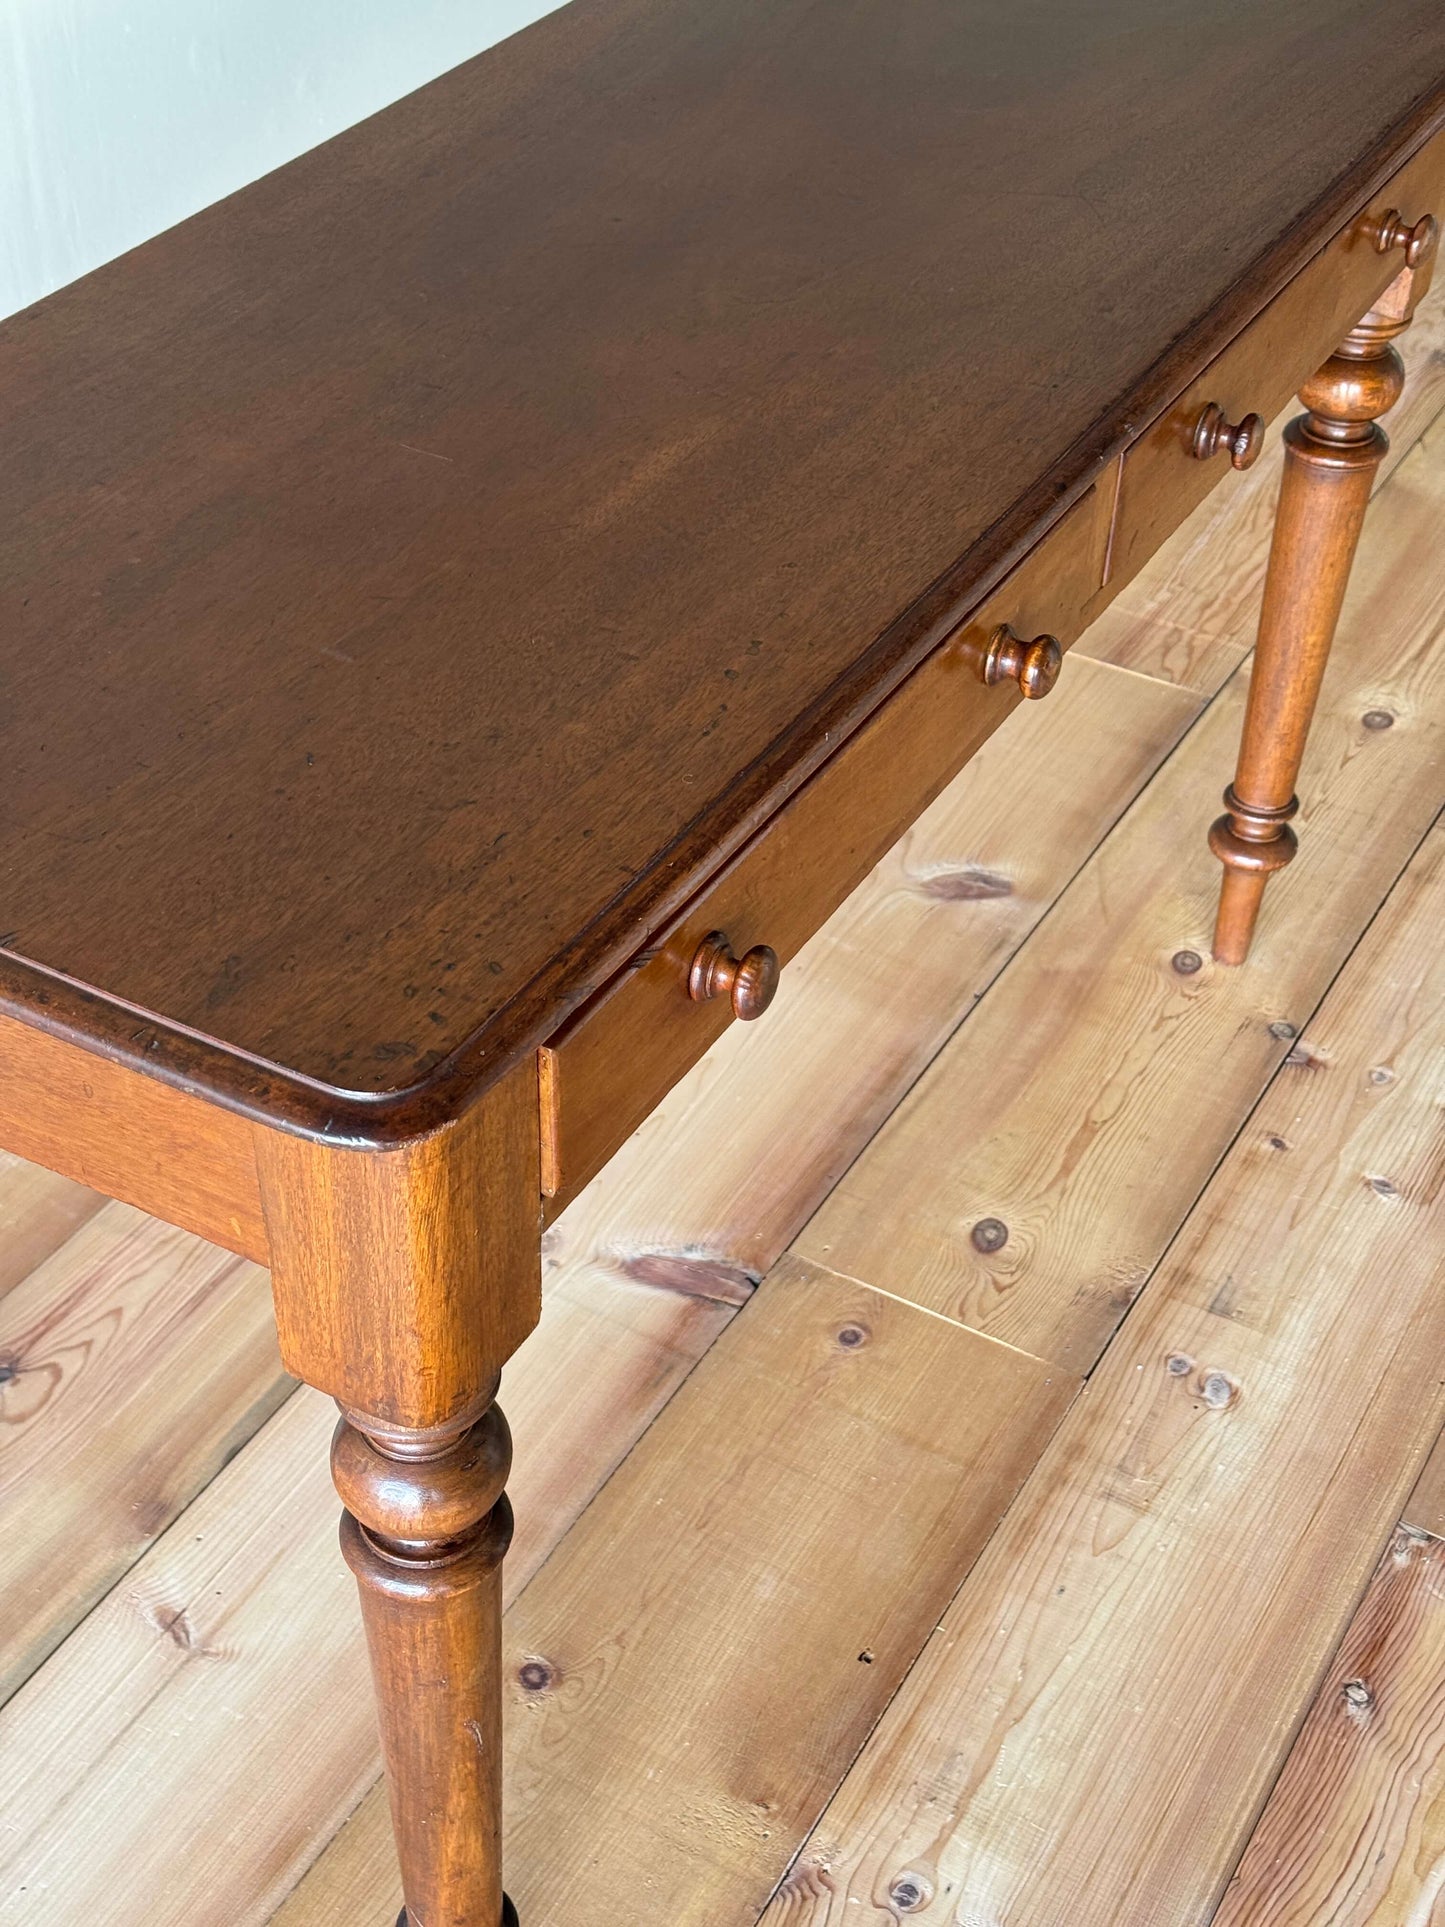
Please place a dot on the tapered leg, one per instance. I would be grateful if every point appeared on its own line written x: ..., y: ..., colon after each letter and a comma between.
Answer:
x: 1331, y: 455
x: 424, y: 1530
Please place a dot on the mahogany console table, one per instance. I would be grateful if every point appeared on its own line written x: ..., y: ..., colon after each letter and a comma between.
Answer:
x: 475, y: 601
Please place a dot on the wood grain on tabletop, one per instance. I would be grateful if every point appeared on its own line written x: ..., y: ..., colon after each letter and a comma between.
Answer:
x: 605, y: 1339
x: 444, y: 548
x: 1095, y: 1727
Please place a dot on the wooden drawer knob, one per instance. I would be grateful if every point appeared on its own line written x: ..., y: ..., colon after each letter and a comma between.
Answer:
x: 1417, y: 241
x: 748, y: 982
x: 1213, y: 432
x: 1034, y: 666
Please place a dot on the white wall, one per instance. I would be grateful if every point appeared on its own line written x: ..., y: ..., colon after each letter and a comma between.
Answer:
x: 120, y: 117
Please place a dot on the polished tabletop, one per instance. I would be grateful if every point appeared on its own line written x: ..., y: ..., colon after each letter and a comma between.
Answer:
x: 420, y: 569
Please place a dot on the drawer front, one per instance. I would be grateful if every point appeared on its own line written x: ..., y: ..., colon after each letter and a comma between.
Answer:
x: 603, y: 1074
x: 1161, y: 479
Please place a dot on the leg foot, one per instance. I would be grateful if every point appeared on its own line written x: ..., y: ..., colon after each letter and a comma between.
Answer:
x: 1251, y: 843
x: 424, y: 1531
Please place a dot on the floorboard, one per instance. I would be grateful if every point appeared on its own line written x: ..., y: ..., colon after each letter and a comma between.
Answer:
x: 38, y: 1212
x: 1092, y: 1731
x: 140, y: 1360
x: 1354, y: 1832
x: 1425, y: 1507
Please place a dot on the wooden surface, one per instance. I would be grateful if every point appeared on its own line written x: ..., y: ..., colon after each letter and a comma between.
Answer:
x: 451, y: 546
x: 838, y: 1455
x: 1110, y: 1694
x: 404, y: 1281
x: 138, y: 1358
x: 425, y: 1529
x: 1354, y: 1832
x: 1425, y: 1507
x: 38, y: 1212
x: 227, y: 1662
x: 132, y: 1138
x: 642, y: 1270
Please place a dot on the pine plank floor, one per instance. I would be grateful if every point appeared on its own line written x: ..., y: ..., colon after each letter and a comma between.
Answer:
x: 976, y: 1463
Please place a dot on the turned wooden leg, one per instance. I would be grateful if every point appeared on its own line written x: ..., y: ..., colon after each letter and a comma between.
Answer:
x: 404, y: 1277
x: 1331, y: 455
x: 424, y: 1530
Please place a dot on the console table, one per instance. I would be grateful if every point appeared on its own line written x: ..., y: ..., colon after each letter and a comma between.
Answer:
x: 475, y: 602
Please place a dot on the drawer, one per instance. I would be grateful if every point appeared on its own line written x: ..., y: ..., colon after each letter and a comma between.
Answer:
x: 1161, y: 479
x: 614, y: 1061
